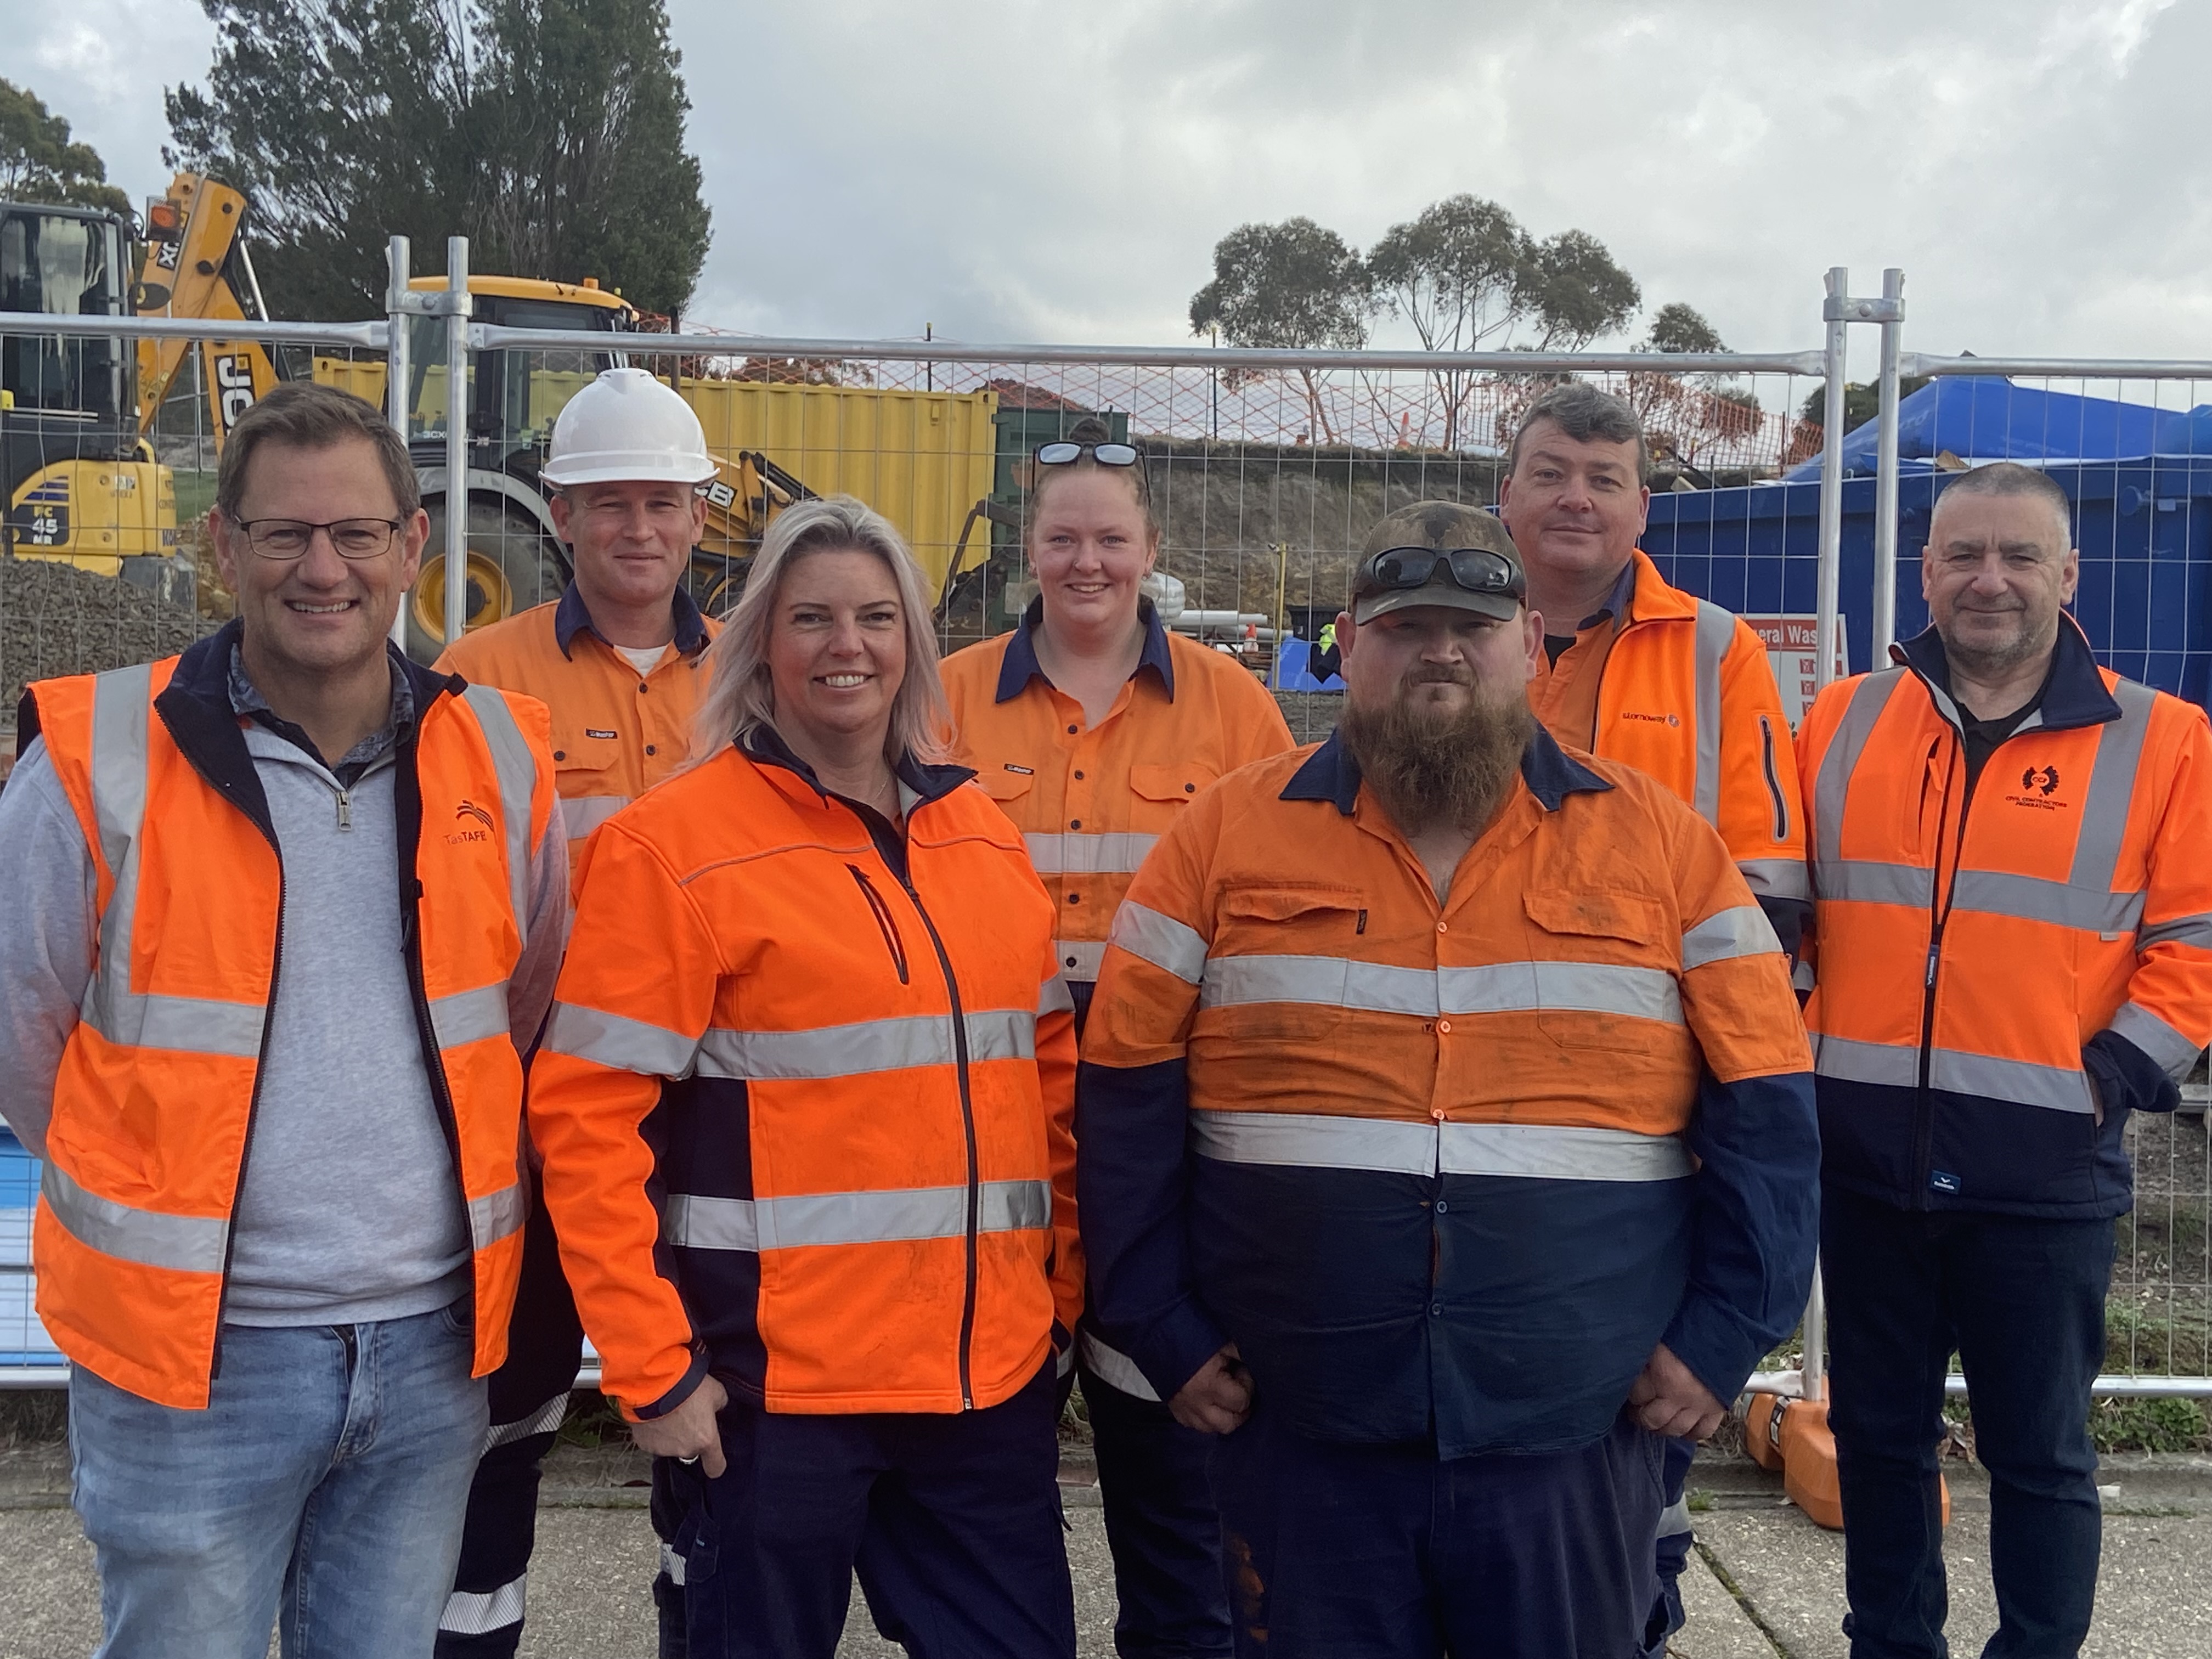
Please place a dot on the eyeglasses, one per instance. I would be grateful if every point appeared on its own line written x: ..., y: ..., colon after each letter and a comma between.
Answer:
x: 1065, y: 454
x: 288, y: 538
x: 1477, y: 570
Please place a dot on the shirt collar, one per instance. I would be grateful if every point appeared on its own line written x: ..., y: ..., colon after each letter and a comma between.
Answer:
x: 924, y: 783
x: 1019, y: 665
x: 572, y: 615
x: 2074, y: 693
x: 1331, y: 774
x: 246, y: 699
x: 1616, y: 603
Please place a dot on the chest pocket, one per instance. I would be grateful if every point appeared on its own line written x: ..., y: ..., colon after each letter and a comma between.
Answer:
x: 1608, y: 980
x: 1159, y: 792
x: 589, y: 770
x: 1003, y: 785
x: 1283, y: 967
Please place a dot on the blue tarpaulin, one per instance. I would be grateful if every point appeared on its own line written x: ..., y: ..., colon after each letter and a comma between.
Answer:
x: 1983, y: 419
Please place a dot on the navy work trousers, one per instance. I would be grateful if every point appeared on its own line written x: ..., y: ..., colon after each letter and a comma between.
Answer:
x: 2022, y: 1302
x: 529, y: 1395
x: 1388, y: 1551
x: 1161, y: 1525
x: 951, y: 1520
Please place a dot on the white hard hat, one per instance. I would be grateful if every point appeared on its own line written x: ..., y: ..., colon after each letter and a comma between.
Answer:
x: 627, y: 425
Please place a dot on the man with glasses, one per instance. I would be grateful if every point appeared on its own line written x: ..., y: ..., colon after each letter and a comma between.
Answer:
x: 287, y: 909
x: 1447, y: 1140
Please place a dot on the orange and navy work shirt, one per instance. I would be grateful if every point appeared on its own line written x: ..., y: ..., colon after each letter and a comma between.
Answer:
x: 1450, y: 1167
x: 615, y: 732
x: 1681, y: 688
x: 1091, y: 800
x: 2000, y: 951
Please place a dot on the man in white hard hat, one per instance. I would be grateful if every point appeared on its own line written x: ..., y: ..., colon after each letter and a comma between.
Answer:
x: 615, y: 659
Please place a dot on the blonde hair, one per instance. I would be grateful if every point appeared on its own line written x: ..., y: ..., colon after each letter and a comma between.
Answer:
x: 740, y: 695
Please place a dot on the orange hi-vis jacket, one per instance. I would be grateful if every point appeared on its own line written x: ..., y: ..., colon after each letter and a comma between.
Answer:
x: 616, y: 732
x: 1430, y: 1166
x: 857, y: 1062
x: 1685, y: 694
x: 154, y: 1102
x: 1986, y: 952
x: 1090, y: 800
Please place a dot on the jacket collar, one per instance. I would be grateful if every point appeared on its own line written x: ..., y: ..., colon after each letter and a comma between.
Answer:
x: 572, y: 615
x: 1331, y: 774
x: 765, y: 745
x: 2074, y: 695
x: 1019, y: 665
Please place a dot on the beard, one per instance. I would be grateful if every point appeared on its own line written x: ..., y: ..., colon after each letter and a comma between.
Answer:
x: 1433, y: 769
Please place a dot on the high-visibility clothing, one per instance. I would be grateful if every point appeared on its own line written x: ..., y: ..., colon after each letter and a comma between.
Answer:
x: 857, y: 1060
x: 153, y: 1103
x: 1683, y: 691
x: 616, y: 732
x: 1431, y: 1166
x: 1981, y: 955
x: 1091, y: 800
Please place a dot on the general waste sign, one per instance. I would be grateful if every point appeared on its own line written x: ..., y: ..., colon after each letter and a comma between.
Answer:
x: 1793, y: 652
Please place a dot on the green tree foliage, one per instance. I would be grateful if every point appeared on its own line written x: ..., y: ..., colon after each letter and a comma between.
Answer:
x: 1292, y: 286
x: 1861, y: 403
x: 1677, y: 327
x: 1577, y: 292
x: 550, y: 132
x: 38, y: 162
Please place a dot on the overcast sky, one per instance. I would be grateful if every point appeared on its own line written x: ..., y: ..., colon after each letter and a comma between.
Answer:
x: 1023, y: 171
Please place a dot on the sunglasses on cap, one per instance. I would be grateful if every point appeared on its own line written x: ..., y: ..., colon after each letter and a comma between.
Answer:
x: 1068, y: 454
x: 1477, y: 570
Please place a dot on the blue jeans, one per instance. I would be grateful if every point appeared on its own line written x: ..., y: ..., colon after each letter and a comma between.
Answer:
x: 322, y: 1491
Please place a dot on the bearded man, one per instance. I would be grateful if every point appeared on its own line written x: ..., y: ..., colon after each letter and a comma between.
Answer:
x: 1447, y: 1140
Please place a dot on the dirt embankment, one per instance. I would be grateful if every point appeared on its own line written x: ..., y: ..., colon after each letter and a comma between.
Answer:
x: 55, y: 619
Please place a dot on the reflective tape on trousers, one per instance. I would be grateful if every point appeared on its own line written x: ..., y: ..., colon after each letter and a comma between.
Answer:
x: 544, y: 1420
x: 1956, y: 1071
x: 1111, y: 1367
x: 152, y: 1238
x: 1741, y: 932
x: 753, y: 1224
x: 1171, y: 945
x: 581, y: 814
x: 621, y: 1043
x: 1495, y: 988
x: 1536, y: 1151
x: 1118, y: 853
x: 469, y: 1612
x: 874, y: 1045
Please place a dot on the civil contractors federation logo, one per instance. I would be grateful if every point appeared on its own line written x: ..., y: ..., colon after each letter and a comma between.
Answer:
x: 2038, y: 784
x: 2046, y: 779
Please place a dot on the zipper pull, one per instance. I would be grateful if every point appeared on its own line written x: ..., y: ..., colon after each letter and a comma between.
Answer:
x: 345, y: 811
x: 1935, y: 949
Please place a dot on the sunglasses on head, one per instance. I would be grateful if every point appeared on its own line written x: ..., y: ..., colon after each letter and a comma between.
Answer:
x: 1067, y: 453
x: 1477, y: 570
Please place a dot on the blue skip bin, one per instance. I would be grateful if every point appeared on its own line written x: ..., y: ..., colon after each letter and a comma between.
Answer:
x: 25, y: 1348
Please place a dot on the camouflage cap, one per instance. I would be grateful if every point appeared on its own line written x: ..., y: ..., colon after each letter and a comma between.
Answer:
x: 1444, y: 526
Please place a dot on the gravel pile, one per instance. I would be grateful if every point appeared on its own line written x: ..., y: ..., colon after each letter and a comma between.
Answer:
x: 1311, y: 715
x: 55, y: 619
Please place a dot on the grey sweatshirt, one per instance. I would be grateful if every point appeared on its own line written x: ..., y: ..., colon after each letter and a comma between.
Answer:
x: 349, y: 1211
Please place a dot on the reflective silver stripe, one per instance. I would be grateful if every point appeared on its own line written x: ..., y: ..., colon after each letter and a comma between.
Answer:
x: 191, y: 1025
x: 470, y: 1614
x: 1541, y: 1151
x: 869, y: 1045
x: 700, y: 1223
x: 517, y: 771
x: 2033, y: 899
x: 1117, y: 852
x: 1062, y: 1364
x: 152, y: 1238
x: 1867, y: 882
x: 1741, y: 932
x: 1552, y: 1152
x: 471, y: 1016
x: 673, y: 1565
x: 581, y: 814
x: 1780, y: 878
x: 1894, y: 1065
x: 1053, y: 998
x: 122, y: 706
x: 627, y: 1045
x: 1113, y: 1367
x: 1840, y: 760
x: 2193, y: 931
x: 1897, y: 1065
x: 2174, y: 1053
x: 544, y: 1421
x: 1674, y: 1519
x: 495, y: 1215
x: 1802, y: 978
x: 1079, y: 958
x: 1167, y: 944
x: 1715, y: 633
x: 1423, y: 992
x: 2112, y: 788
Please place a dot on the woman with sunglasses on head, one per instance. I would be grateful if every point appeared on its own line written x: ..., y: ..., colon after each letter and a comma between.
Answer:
x: 1094, y: 728
x: 810, y: 1052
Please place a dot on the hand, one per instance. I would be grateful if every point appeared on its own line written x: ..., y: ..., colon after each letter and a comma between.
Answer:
x: 1668, y: 1398
x: 689, y: 1431
x: 1219, y: 1398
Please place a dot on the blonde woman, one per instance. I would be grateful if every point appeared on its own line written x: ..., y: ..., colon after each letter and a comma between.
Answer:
x: 811, y: 1054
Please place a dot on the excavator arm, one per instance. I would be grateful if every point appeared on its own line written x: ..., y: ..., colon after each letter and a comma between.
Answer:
x: 196, y: 266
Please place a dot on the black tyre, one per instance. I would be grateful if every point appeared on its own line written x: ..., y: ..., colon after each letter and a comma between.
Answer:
x: 512, y: 564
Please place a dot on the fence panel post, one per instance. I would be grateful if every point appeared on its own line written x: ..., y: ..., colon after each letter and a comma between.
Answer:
x: 457, y: 438
x: 398, y: 371
x: 1885, y: 477
x: 1831, y: 477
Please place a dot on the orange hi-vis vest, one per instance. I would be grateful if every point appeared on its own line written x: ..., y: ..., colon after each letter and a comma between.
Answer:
x: 857, y: 1063
x: 154, y: 1099
x: 1091, y: 800
x: 616, y: 732
x: 1685, y: 694
x: 1983, y: 954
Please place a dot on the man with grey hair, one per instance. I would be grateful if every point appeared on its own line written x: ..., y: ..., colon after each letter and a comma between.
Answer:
x: 2012, y: 935
x: 1637, y: 671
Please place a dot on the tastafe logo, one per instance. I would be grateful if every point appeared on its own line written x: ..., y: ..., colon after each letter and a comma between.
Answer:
x: 2038, y: 784
x: 468, y: 809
